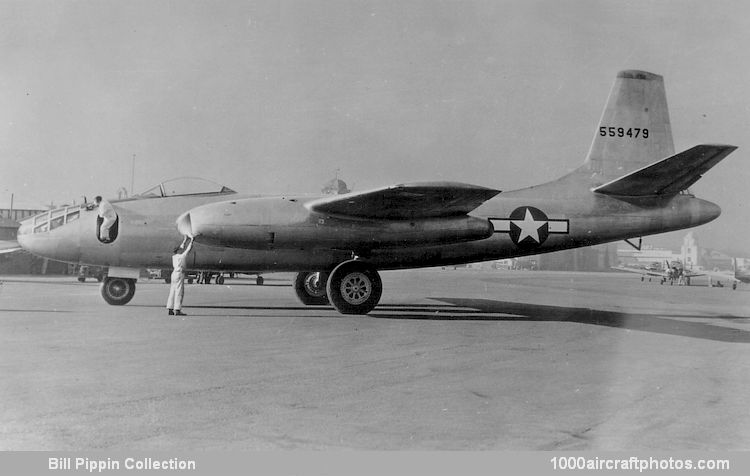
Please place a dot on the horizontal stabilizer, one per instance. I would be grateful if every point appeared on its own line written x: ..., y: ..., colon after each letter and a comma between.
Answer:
x: 407, y: 201
x: 668, y: 176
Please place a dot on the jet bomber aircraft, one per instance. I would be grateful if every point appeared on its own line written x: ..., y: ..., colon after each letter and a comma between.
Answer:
x: 631, y: 184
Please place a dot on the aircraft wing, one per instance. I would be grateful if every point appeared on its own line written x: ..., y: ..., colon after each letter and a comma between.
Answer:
x: 406, y: 201
x: 715, y: 275
x: 645, y: 272
x: 668, y: 176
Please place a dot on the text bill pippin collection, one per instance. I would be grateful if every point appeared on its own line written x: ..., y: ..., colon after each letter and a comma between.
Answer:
x: 92, y: 465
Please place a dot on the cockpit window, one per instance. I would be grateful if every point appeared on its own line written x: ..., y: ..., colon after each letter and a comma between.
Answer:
x: 57, y: 218
x: 185, y: 186
x: 56, y: 222
x: 152, y: 192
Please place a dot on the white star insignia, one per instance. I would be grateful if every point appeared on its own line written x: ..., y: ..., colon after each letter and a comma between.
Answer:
x: 529, y: 227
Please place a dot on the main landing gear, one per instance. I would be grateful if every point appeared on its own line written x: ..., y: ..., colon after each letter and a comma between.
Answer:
x: 353, y: 287
x: 118, y: 291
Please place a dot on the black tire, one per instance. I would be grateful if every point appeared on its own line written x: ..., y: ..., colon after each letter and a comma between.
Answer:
x: 259, y: 281
x: 81, y: 279
x: 118, y: 291
x: 168, y: 279
x: 219, y: 279
x: 311, y: 288
x: 354, y: 287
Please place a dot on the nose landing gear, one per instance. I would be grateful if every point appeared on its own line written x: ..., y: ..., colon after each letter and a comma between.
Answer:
x: 118, y: 291
x: 311, y: 288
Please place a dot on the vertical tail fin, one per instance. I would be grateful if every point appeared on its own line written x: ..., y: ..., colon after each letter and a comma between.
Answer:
x: 634, y: 130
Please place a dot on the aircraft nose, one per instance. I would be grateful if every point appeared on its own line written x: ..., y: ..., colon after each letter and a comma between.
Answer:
x: 25, y: 237
x: 24, y: 229
x: 59, y: 244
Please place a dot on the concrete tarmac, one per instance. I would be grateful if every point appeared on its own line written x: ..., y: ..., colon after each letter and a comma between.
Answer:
x: 450, y: 359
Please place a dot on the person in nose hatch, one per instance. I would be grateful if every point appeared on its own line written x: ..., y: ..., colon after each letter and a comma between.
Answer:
x: 107, y: 212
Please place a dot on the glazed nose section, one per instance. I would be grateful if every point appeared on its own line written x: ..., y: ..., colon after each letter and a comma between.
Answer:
x: 59, y: 244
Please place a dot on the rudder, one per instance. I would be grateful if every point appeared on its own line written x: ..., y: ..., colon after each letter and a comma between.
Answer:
x: 634, y: 130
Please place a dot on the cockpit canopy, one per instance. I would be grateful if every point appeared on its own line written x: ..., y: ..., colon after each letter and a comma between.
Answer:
x: 185, y: 186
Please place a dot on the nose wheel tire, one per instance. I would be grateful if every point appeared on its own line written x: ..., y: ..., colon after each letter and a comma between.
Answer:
x: 354, y: 288
x: 311, y: 288
x: 118, y: 291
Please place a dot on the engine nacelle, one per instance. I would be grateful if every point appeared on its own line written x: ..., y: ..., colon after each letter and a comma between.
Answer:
x: 284, y: 223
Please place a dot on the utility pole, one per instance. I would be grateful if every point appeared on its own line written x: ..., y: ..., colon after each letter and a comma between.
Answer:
x: 132, y: 176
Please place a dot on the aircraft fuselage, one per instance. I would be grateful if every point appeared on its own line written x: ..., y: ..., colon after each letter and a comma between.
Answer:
x: 281, y: 234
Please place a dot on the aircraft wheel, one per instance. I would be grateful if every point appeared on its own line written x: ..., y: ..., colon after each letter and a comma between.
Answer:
x: 259, y: 280
x: 311, y: 288
x: 168, y: 279
x: 734, y: 286
x: 354, y: 287
x: 118, y: 291
x: 219, y: 279
x: 81, y: 279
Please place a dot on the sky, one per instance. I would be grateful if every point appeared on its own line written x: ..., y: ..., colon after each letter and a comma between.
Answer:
x: 280, y: 96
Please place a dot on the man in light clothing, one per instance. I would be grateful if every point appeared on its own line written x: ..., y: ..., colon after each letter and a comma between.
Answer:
x: 108, y: 215
x: 177, y: 284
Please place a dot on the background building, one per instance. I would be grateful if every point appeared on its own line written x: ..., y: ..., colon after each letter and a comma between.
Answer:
x: 691, y: 255
x: 592, y: 258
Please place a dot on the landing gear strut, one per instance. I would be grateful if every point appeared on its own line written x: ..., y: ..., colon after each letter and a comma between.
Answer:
x: 354, y: 287
x: 311, y: 288
x: 118, y: 291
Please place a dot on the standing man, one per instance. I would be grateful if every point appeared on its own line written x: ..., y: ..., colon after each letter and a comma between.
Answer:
x: 177, y: 284
x: 108, y: 215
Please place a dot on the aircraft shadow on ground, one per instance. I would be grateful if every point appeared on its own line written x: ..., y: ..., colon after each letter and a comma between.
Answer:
x: 462, y: 309
x: 490, y: 310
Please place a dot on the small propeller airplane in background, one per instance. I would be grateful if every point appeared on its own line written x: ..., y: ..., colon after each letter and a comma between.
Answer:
x: 677, y: 273
x: 631, y: 184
